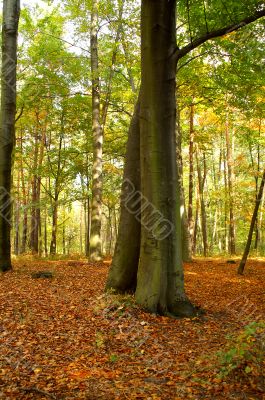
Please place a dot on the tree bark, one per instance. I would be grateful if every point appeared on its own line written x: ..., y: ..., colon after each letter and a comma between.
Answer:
x: 53, y: 246
x: 87, y: 218
x: 34, y: 234
x: 123, y: 271
x: 230, y: 182
x: 11, y: 10
x: 160, y: 283
x: 185, y: 233
x: 201, y: 184
x: 25, y: 195
x: 191, y: 172
x: 96, y: 212
x: 112, y: 67
x: 252, y: 226
x: 17, y: 220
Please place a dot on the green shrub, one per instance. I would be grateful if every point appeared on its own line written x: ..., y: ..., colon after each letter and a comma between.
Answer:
x: 245, y: 353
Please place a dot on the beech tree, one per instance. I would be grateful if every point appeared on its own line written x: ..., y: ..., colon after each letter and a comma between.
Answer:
x: 95, y: 235
x: 11, y: 11
x: 159, y: 270
x: 99, y: 118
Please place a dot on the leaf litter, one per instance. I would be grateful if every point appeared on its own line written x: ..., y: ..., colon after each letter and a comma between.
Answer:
x: 64, y: 338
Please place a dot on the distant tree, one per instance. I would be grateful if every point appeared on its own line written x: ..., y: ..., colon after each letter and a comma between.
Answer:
x: 95, y: 235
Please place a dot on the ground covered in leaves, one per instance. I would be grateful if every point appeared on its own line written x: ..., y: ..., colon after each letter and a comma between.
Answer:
x: 62, y: 338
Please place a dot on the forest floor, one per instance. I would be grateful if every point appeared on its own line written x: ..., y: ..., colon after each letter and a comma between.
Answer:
x: 63, y: 338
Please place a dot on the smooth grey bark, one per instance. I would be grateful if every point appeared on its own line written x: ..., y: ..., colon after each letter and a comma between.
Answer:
x: 252, y: 226
x: 160, y: 283
x: 11, y: 11
x: 96, y: 211
x: 123, y: 271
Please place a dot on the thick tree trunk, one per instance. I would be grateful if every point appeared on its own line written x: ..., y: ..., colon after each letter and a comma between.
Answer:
x: 11, y: 9
x: 95, y: 234
x: 252, y: 226
x: 123, y: 271
x: 160, y: 283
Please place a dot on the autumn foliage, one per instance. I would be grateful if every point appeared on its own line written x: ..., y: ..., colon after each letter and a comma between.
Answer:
x: 61, y: 338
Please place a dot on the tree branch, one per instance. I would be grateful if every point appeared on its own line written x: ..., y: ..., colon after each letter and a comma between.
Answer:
x: 217, y: 33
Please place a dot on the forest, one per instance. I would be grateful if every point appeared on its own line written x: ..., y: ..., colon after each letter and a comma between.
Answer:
x: 132, y: 204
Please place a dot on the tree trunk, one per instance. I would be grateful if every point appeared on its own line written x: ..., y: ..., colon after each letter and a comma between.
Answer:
x: 127, y: 59
x: 64, y: 241
x: 230, y: 182
x: 38, y: 210
x: 160, y: 283
x: 53, y: 245
x: 45, y: 232
x: 123, y: 271
x: 11, y: 9
x: 87, y: 218
x: 191, y: 173
x: 95, y: 235
x: 16, y: 230
x: 34, y: 233
x: 25, y: 195
x: 81, y: 229
x: 185, y: 234
x: 117, y: 40
x: 201, y: 184
x: 196, y: 223
x: 252, y: 226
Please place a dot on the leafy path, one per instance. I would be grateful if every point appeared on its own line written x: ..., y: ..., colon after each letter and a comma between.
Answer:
x: 62, y: 338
